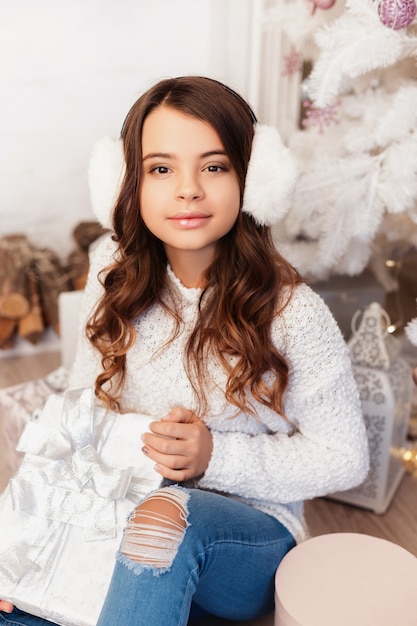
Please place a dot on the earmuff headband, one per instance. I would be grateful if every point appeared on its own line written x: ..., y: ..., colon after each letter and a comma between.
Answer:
x: 269, y: 186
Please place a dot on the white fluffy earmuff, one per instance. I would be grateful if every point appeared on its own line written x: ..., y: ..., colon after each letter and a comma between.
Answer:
x: 271, y: 177
x: 270, y: 180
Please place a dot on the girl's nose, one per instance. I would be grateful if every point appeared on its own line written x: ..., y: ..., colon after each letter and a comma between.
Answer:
x: 189, y: 187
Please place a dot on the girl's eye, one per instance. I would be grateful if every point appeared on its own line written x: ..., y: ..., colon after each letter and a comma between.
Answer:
x: 216, y: 168
x: 160, y: 169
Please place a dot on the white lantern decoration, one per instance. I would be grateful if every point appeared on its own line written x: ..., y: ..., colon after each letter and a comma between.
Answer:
x: 385, y: 386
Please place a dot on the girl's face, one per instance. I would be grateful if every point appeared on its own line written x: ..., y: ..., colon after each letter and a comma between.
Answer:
x: 189, y: 194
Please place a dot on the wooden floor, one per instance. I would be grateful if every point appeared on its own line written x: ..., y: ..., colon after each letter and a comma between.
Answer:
x: 398, y: 524
x: 20, y: 369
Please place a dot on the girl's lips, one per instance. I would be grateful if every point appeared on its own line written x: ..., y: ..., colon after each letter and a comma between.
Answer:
x: 188, y: 221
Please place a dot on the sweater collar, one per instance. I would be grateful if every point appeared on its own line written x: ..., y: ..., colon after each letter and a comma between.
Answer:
x: 189, y: 294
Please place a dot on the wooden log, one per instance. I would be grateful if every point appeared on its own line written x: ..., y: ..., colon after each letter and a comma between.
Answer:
x: 13, y: 306
x: 52, y: 279
x: 78, y: 264
x: 86, y: 232
x: 31, y: 327
x: 14, y: 302
x: 7, y: 333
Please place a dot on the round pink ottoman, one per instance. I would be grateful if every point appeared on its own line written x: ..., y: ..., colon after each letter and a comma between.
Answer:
x: 346, y: 579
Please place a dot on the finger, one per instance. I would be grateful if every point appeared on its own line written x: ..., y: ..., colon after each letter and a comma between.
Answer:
x: 176, y: 475
x: 6, y: 607
x: 165, y: 445
x: 173, y: 461
x: 173, y: 430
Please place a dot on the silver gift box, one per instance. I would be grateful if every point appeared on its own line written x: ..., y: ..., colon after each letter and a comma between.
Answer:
x: 63, y: 513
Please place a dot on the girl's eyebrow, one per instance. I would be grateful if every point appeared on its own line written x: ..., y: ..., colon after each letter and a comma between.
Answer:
x: 213, y: 153
x: 167, y: 155
x: 158, y: 155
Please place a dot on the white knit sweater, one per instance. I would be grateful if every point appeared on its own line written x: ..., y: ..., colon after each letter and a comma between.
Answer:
x: 254, y: 459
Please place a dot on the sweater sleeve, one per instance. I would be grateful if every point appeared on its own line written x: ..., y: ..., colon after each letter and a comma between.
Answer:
x: 87, y: 366
x: 328, y: 451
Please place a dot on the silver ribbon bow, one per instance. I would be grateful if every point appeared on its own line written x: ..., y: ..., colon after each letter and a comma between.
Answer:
x: 62, y: 481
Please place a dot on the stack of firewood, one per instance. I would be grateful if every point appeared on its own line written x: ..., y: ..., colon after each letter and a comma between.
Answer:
x: 31, y: 279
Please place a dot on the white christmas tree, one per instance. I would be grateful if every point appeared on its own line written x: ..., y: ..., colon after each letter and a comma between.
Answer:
x: 357, y: 193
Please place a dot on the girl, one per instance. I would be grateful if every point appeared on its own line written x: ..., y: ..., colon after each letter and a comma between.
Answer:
x: 198, y: 320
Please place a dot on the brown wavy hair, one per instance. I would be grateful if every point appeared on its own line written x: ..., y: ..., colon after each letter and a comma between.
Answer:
x: 243, y: 285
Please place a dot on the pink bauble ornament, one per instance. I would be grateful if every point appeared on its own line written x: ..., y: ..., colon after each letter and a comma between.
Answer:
x: 397, y: 14
x: 322, y: 4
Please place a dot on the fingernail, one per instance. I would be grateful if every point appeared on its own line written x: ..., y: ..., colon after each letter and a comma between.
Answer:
x: 145, y: 450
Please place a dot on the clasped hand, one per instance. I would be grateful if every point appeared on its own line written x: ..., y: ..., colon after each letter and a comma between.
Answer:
x: 180, y: 444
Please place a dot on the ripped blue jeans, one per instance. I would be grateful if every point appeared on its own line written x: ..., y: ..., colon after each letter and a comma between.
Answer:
x: 201, y: 552
x: 187, y: 553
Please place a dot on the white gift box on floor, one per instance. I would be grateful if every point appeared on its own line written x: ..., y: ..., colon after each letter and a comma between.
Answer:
x: 384, y: 381
x: 62, y: 515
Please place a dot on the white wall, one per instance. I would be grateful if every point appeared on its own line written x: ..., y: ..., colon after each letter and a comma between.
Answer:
x: 70, y: 70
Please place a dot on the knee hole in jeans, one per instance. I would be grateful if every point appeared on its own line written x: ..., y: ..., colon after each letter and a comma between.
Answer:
x: 156, y: 528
